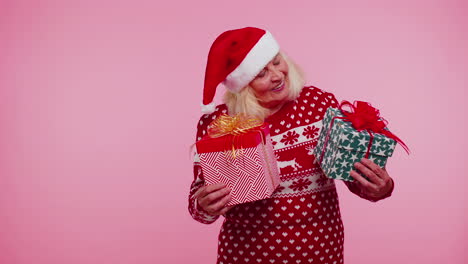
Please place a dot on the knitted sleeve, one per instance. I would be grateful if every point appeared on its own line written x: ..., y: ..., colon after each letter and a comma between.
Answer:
x: 194, y: 209
x: 352, y: 186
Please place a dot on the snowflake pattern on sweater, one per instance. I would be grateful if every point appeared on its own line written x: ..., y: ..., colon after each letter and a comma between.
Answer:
x: 301, y: 222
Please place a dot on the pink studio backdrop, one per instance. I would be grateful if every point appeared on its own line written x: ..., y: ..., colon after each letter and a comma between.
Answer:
x: 100, y: 100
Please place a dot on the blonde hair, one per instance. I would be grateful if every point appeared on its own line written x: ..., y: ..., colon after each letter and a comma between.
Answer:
x: 246, y: 102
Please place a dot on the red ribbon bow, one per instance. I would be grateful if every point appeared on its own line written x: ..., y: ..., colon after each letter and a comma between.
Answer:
x: 365, y: 117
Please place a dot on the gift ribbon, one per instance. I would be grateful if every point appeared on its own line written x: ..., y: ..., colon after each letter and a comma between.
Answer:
x: 268, y: 160
x: 363, y: 117
x: 233, y: 125
x: 236, y: 126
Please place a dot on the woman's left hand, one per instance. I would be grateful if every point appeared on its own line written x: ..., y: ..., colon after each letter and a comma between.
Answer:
x: 379, y: 183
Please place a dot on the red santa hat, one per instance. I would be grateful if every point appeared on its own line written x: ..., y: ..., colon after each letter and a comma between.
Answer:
x: 235, y: 58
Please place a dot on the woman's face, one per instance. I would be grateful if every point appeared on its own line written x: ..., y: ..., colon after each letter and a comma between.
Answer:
x: 271, y: 85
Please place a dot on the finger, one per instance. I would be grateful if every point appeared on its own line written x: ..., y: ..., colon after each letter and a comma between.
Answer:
x: 369, y: 173
x: 216, y: 195
x: 381, y: 173
x: 219, y: 205
x: 362, y: 181
x: 226, y: 209
x: 207, y: 189
x: 214, y: 187
x: 386, y: 179
x: 197, y: 193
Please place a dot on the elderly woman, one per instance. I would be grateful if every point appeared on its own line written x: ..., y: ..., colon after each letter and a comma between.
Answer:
x: 301, y: 222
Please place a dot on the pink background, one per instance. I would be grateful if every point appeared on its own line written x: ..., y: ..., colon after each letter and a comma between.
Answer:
x: 99, y: 102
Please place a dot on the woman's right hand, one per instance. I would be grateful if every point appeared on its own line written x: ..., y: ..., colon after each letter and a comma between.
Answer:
x: 213, y: 198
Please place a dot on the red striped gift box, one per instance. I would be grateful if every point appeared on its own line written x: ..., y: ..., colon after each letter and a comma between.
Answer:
x: 245, y: 163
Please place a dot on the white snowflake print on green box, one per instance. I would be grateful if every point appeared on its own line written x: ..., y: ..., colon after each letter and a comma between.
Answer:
x: 347, y: 146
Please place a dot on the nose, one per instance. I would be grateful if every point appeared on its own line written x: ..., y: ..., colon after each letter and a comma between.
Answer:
x: 276, y: 74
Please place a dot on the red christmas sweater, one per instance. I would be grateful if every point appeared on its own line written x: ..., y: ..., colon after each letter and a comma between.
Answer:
x: 301, y: 222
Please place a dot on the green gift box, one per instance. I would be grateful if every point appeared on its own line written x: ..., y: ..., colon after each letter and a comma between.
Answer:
x: 346, y: 146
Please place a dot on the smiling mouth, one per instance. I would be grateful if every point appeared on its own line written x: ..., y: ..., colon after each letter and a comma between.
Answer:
x: 279, y: 87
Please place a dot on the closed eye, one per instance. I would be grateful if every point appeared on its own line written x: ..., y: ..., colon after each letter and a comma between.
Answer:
x: 277, y: 59
x: 261, y: 74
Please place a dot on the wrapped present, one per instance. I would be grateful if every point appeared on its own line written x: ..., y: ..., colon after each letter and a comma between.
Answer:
x: 238, y: 152
x: 348, y: 136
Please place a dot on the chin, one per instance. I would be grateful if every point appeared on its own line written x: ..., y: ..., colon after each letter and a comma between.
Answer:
x: 284, y: 94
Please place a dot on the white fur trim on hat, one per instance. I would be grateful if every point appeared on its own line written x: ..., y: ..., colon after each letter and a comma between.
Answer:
x: 258, y: 57
x: 208, y: 109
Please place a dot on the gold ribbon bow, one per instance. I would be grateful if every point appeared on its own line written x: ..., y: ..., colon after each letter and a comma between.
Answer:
x: 233, y: 125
